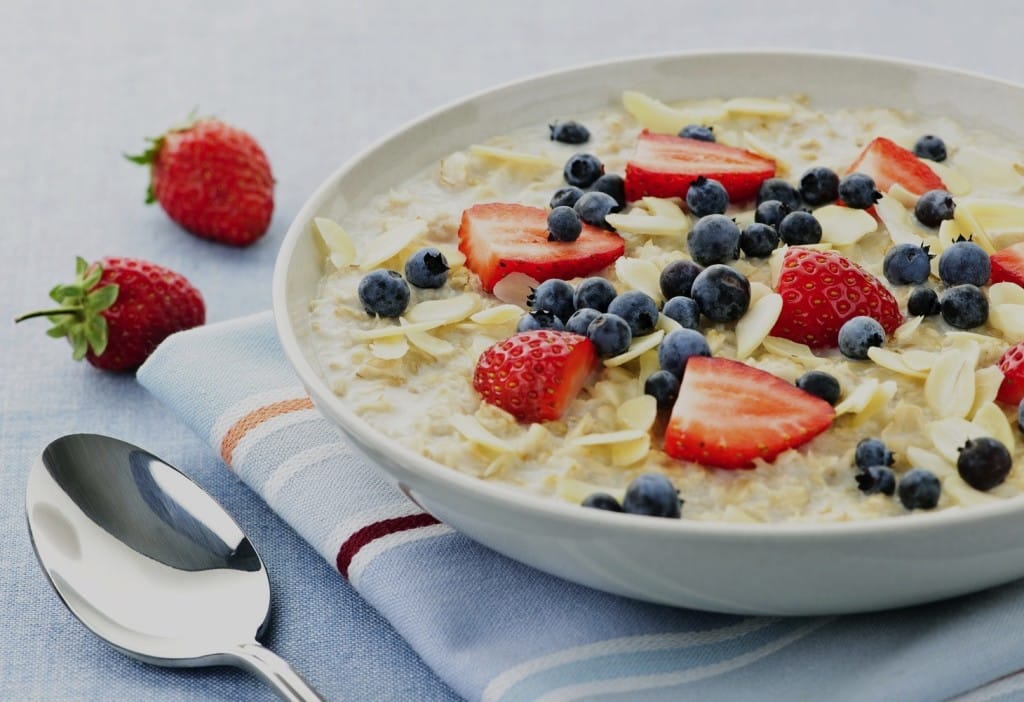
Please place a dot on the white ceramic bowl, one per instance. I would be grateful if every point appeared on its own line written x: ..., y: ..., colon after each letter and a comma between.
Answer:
x: 743, y: 568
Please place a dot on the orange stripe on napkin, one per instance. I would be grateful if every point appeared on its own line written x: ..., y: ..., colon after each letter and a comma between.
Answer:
x: 253, y: 419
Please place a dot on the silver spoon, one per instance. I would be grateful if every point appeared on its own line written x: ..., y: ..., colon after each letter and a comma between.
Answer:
x: 149, y: 561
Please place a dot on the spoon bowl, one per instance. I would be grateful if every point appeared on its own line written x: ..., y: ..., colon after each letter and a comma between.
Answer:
x: 149, y: 561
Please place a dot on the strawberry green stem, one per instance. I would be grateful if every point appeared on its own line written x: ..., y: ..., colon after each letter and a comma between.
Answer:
x: 48, y: 313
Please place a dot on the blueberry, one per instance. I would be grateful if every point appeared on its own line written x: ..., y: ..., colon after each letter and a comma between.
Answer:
x: 594, y: 292
x: 683, y: 310
x: 934, y: 207
x: 581, y: 319
x: 819, y: 186
x: 714, y: 239
x: 677, y: 278
x: 566, y: 196
x: 427, y: 268
x: 614, y: 185
x: 706, y: 196
x: 698, y: 132
x: 923, y: 302
x: 564, y: 224
x: 859, y: 334
x: 593, y: 207
x: 654, y: 495
x: 984, y: 463
x: 875, y: 479
x: 539, y: 319
x: 778, y: 189
x: 384, y: 293
x: 964, y: 307
x: 964, y: 262
x: 857, y: 190
x: 930, y: 147
x: 582, y: 170
x: 1020, y: 415
x: 907, y: 264
x: 569, y: 132
x: 678, y: 346
x: 872, y: 452
x: 919, y: 489
x: 758, y: 240
x: 638, y: 309
x: 609, y: 334
x: 820, y: 384
x: 602, y: 500
x: 800, y: 227
x: 554, y: 295
x: 722, y: 293
x: 663, y: 386
x: 771, y: 212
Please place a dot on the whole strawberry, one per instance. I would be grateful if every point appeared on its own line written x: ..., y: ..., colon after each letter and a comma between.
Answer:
x: 119, y: 309
x: 212, y: 179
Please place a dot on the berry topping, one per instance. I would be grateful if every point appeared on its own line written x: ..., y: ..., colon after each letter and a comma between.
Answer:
x: 384, y: 293
x: 610, y: 334
x: 653, y: 495
x: 602, y: 500
x: 758, y: 240
x: 887, y: 162
x: 1020, y: 416
x: 663, y: 386
x: 907, y: 264
x: 859, y: 334
x: 771, y: 212
x: 919, y: 489
x: 706, y: 196
x: 714, y: 239
x: 581, y: 319
x: 535, y: 375
x: 539, y: 319
x: 779, y: 189
x: 799, y: 228
x: 984, y: 463
x: 1008, y: 265
x: 1011, y: 363
x: 964, y: 307
x: 614, y: 185
x: 596, y: 293
x: 677, y: 278
x: 722, y: 293
x: 638, y: 309
x: 821, y: 290
x: 427, y: 268
x: 923, y: 302
x: 566, y: 196
x: 819, y: 186
x: 820, y: 384
x: 678, y: 347
x: 876, y: 479
x: 683, y: 310
x: 858, y: 190
x: 728, y: 414
x: 554, y: 295
x: 569, y: 132
x: 498, y: 239
x: 582, y: 170
x: 594, y: 206
x: 664, y: 166
x: 872, y: 452
x: 930, y: 147
x: 698, y: 132
x: 564, y: 224
x: 964, y: 262
x: 934, y: 207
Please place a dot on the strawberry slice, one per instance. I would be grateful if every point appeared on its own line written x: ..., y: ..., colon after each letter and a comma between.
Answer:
x: 499, y: 239
x: 887, y: 162
x: 534, y: 375
x: 1011, y: 391
x: 1008, y: 265
x: 729, y: 413
x: 664, y: 165
x: 821, y: 290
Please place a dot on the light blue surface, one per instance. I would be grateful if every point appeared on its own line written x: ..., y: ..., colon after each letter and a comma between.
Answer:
x: 83, y: 82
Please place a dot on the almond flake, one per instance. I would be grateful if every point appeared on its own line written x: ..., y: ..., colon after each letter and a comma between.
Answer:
x: 515, y: 158
x: 879, y: 400
x: 649, y: 363
x: 471, y: 429
x: 986, y: 171
x: 919, y: 360
x: 894, y: 362
x: 1005, y: 294
x: 844, y: 226
x: 950, y: 434
x: 514, y: 288
x: 905, y: 331
x: 897, y: 222
x: 626, y: 453
x: 392, y: 330
x: 956, y: 182
x: 390, y: 349
x: 790, y: 349
x: 857, y: 400
x: 986, y: 386
x: 923, y: 458
x: 430, y: 344
x: 455, y: 258
x: 651, y: 225
x: 745, y: 219
x: 991, y: 419
x: 949, y: 231
x: 1003, y: 220
x: 611, y: 437
x: 667, y: 324
x: 762, y: 148
x: 446, y: 310
x: 757, y: 291
x: 638, y: 413
x: 1008, y: 319
x: 664, y: 207
x: 340, y: 248
x: 969, y: 223
x: 903, y: 196
x: 389, y: 244
x: 640, y: 274
x: 639, y: 346
x: 757, y: 323
x: 759, y: 107
x: 659, y: 117
x: 499, y: 314
x: 949, y: 388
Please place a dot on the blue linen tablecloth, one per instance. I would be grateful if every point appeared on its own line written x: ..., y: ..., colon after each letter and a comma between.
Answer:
x: 83, y: 82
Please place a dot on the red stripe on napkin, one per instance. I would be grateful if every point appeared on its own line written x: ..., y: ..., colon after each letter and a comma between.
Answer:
x: 372, y: 532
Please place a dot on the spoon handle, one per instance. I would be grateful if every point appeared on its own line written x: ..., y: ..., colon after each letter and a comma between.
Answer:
x: 259, y: 659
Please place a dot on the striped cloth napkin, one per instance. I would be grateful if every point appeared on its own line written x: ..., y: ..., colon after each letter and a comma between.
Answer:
x: 497, y: 630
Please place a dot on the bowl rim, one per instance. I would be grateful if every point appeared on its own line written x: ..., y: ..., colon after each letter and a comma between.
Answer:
x: 553, y: 509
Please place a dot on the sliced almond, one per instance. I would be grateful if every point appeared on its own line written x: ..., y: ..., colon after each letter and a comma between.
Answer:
x: 745, y: 219
x: 390, y: 243
x: 880, y: 400
x: 341, y: 250
x: 988, y: 171
x: 611, y: 437
x: 922, y: 458
x: 649, y: 363
x: 920, y: 360
x: 430, y: 344
x: 905, y: 331
x: 638, y: 413
x: 970, y: 224
x: 759, y: 107
x: 514, y: 158
x: 515, y: 288
x: 790, y: 349
x: 949, y: 388
x: 992, y: 420
x: 667, y: 324
x: 986, y: 386
x: 857, y: 400
x: 471, y: 429
x: 757, y: 324
x: 659, y: 117
x: 640, y: 274
x: 446, y: 310
x: 1008, y: 319
x: 950, y: 231
x: 1005, y: 294
x: 897, y: 222
x: 626, y: 453
x: 762, y: 148
x: 757, y: 291
x: 651, y: 225
x: 950, y: 434
x: 499, y: 314
x: 894, y: 362
x: 393, y: 330
x: 638, y: 347
x: 903, y: 196
x: 844, y: 226
x: 664, y: 207
x: 956, y: 182
x: 390, y: 348
x: 455, y: 258
x: 1003, y: 220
